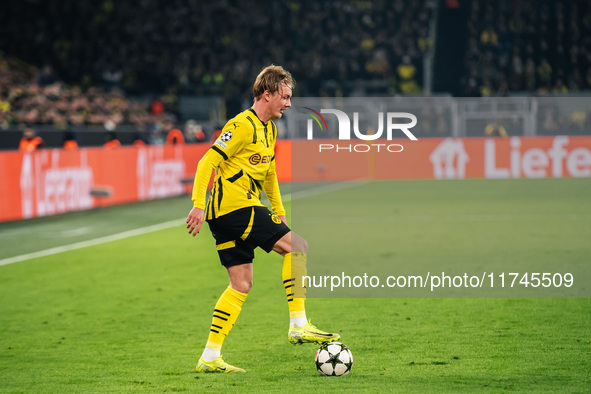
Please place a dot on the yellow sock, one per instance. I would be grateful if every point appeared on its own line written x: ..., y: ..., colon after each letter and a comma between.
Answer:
x: 294, y: 265
x: 225, y: 314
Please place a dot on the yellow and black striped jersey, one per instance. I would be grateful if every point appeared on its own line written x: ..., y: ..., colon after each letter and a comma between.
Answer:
x: 244, y: 159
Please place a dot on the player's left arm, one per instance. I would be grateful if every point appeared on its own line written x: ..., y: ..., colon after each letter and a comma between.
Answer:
x: 271, y: 187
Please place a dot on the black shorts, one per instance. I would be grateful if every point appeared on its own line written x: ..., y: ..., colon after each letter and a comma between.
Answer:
x: 237, y: 234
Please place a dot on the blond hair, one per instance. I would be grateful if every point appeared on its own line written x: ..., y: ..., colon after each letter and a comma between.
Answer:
x: 270, y: 78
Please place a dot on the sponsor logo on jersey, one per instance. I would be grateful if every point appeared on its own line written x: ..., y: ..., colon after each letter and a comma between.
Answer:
x: 257, y: 159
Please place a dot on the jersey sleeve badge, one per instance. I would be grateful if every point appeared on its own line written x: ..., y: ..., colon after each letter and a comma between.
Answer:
x: 220, y: 144
x: 227, y: 136
x: 222, y: 139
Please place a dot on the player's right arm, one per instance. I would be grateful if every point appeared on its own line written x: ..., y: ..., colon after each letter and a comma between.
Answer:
x: 231, y: 140
x: 204, y: 169
x: 195, y: 220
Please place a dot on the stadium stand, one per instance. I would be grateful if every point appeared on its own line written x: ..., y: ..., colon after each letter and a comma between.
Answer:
x: 155, y: 45
x: 42, y: 98
x: 130, y: 63
x: 540, y: 46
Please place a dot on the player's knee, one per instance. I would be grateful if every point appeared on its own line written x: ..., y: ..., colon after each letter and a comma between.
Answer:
x: 291, y: 243
x: 299, y: 244
x: 247, y: 286
x: 242, y: 286
x: 304, y: 246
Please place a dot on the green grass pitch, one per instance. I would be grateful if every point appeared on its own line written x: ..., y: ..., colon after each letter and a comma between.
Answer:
x: 132, y: 315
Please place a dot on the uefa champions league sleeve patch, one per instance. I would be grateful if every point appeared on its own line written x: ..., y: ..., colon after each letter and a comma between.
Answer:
x: 220, y: 144
x: 222, y: 139
x: 227, y: 136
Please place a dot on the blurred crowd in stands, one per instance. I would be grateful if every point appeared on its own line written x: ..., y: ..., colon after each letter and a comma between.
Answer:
x: 69, y: 63
x: 535, y: 46
x: 216, y: 47
x: 28, y: 96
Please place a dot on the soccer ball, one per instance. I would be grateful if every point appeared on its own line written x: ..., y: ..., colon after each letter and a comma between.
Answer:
x: 334, y: 359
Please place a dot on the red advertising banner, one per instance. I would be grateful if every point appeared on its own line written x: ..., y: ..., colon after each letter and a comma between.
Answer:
x: 441, y: 158
x: 53, y: 181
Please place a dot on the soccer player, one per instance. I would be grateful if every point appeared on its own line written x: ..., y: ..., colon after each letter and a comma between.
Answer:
x: 244, y: 159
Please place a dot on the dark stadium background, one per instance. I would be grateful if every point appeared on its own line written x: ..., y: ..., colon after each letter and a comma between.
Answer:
x: 140, y: 68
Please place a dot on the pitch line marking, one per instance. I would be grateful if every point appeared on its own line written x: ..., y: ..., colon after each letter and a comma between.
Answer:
x: 329, y: 187
x: 159, y: 226
x: 91, y: 242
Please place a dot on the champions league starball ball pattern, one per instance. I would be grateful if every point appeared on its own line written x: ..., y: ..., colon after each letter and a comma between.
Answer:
x: 227, y: 136
x: 334, y: 359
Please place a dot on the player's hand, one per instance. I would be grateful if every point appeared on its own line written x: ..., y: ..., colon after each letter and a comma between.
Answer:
x: 283, y: 218
x: 195, y: 220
